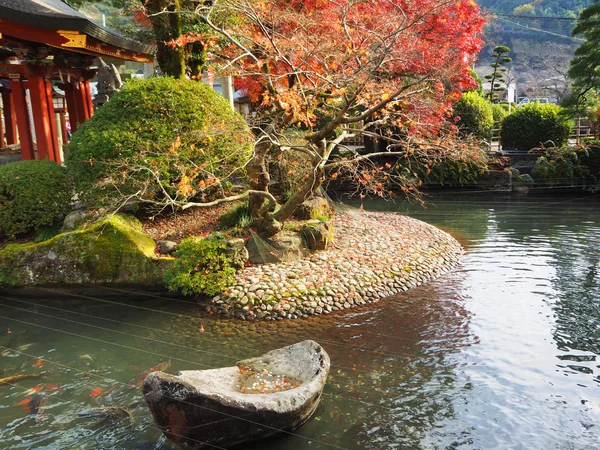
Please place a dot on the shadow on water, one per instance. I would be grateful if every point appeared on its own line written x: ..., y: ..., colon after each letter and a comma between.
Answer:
x: 500, y: 353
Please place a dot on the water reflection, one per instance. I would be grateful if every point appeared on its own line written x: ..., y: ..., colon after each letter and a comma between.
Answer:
x: 500, y: 353
x: 532, y: 278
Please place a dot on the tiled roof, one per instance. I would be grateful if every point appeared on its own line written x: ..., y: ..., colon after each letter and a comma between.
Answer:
x: 56, y: 15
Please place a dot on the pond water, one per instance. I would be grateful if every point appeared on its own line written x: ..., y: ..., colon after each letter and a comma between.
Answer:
x: 501, y: 353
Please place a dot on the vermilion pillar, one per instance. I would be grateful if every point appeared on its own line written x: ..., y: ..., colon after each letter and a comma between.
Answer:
x: 53, y: 128
x: 72, y: 105
x: 47, y: 144
x: 10, y: 118
x: 22, y: 114
x: 1, y: 133
x: 82, y: 104
x: 63, y: 127
x: 87, y: 91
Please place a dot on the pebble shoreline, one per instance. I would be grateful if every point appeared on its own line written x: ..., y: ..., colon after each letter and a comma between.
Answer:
x: 375, y: 255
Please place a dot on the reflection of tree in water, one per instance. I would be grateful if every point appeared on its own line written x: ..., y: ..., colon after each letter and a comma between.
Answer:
x: 577, y: 308
x: 412, y: 383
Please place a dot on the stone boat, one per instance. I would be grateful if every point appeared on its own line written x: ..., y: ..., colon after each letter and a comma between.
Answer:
x: 278, y: 391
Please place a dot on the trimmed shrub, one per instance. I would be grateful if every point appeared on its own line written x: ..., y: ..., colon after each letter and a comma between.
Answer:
x: 158, y: 137
x: 535, y: 125
x: 202, y: 267
x: 474, y: 115
x: 499, y: 112
x: 32, y: 194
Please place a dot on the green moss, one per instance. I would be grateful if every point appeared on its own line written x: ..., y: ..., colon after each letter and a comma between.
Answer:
x: 114, y: 249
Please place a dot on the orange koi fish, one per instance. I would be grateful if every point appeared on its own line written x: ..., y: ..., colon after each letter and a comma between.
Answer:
x: 97, y: 391
x: 139, y: 379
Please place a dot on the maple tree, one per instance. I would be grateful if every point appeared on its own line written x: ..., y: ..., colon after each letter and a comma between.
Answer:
x: 332, y: 69
x: 322, y: 71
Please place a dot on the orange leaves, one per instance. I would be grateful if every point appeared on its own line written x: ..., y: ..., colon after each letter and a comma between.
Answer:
x: 184, y: 186
x: 175, y: 145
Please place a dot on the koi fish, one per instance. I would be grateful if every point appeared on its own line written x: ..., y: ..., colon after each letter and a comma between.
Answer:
x: 33, y: 405
x: 39, y: 362
x: 86, y: 357
x: 34, y: 390
x: 97, y: 391
x: 139, y: 379
x: 19, y: 377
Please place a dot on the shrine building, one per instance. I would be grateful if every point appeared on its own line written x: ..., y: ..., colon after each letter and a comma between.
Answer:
x: 47, y: 48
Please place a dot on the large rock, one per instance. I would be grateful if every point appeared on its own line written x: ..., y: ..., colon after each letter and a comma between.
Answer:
x: 315, y: 208
x: 237, y: 251
x: 284, y: 246
x: 202, y: 409
x: 112, y: 250
x: 317, y: 236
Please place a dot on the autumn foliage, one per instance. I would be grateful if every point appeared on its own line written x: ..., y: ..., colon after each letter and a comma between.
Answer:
x: 325, y: 70
x: 389, y: 70
x: 345, y: 58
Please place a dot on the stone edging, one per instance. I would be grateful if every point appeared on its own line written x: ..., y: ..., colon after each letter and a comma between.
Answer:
x: 375, y: 255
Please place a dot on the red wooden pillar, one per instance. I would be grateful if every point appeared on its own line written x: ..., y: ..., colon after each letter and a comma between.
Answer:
x: 2, y: 126
x: 87, y: 91
x: 42, y: 119
x: 63, y: 127
x: 82, y: 104
x: 10, y: 118
x: 72, y: 105
x: 53, y: 127
x: 23, y: 124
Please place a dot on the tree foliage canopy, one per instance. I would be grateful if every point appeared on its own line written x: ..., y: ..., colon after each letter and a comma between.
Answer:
x: 585, y: 67
x: 387, y: 69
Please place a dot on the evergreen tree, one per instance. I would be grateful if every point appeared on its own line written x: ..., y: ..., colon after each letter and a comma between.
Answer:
x: 585, y: 66
x: 496, y: 78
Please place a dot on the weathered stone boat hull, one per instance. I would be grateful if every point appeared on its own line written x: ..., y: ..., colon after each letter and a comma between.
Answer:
x: 204, y: 409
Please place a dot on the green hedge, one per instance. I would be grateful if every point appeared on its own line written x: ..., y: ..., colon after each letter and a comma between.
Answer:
x: 32, y: 194
x: 474, y: 115
x: 534, y: 125
x: 499, y: 112
x: 158, y: 134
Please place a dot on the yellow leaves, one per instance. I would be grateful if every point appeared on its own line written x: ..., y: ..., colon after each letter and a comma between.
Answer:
x: 385, y: 96
x: 175, y: 145
x: 184, y: 186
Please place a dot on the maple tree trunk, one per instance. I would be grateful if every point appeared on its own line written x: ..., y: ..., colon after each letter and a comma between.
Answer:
x: 304, y: 192
x: 258, y: 173
x: 167, y: 27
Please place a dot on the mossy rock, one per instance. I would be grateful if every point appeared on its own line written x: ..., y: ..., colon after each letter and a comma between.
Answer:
x: 111, y: 250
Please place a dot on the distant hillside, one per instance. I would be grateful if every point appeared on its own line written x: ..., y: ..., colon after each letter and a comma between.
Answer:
x: 539, y: 35
x: 545, y: 8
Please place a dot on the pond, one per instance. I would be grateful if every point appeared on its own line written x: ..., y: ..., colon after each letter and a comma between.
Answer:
x: 500, y: 353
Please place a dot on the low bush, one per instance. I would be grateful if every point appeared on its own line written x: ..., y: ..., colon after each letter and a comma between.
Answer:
x: 236, y: 217
x: 458, y: 166
x: 474, y: 116
x: 559, y: 166
x: 534, y: 125
x: 201, y: 268
x: 158, y: 138
x: 591, y: 158
x: 32, y: 194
